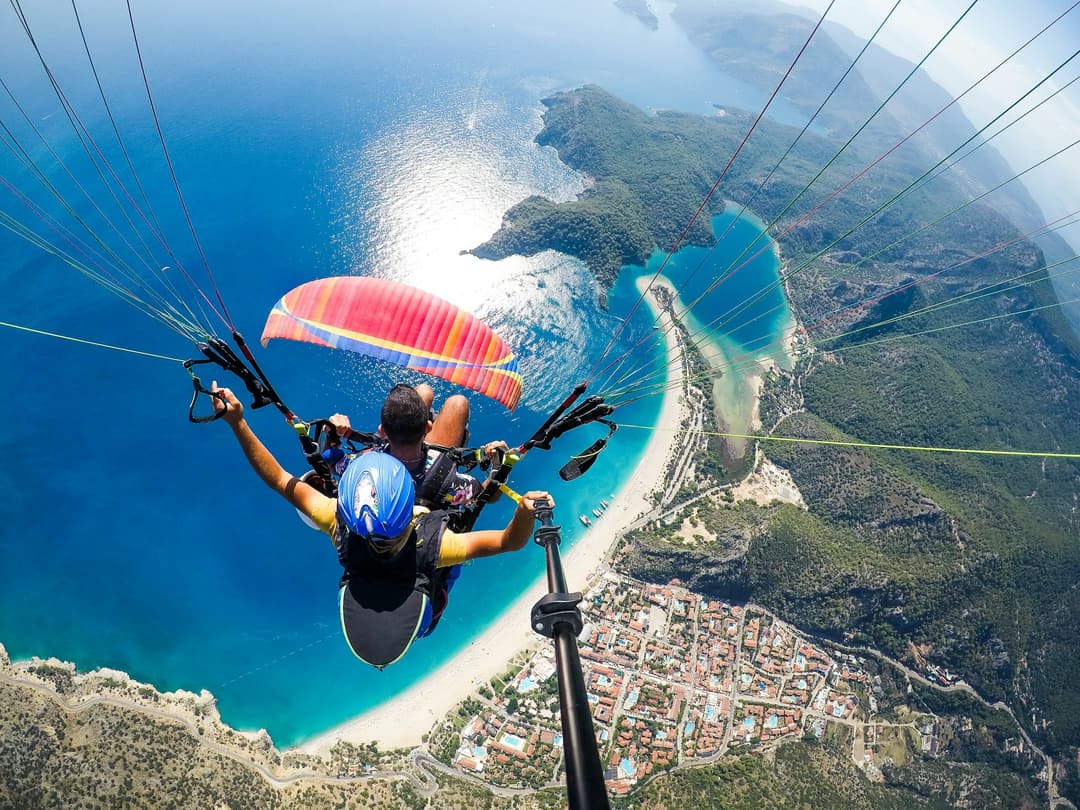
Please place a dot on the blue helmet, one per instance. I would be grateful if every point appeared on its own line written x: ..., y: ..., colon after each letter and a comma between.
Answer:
x: 375, y: 497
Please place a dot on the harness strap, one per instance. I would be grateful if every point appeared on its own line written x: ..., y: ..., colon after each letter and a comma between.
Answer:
x: 435, y: 476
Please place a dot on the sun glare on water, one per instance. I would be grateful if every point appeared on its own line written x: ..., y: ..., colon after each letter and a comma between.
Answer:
x: 438, y: 186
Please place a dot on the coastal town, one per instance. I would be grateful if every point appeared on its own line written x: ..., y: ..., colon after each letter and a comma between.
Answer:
x: 673, y: 678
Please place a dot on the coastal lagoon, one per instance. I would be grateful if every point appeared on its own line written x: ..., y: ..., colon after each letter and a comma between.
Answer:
x: 308, y: 143
x: 731, y: 302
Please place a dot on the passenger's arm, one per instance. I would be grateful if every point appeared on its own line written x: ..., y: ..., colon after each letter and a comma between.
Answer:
x: 513, y: 537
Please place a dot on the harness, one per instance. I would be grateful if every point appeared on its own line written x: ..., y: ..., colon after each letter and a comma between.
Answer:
x: 439, y: 485
x: 414, y: 566
x: 415, y: 563
x: 433, y: 481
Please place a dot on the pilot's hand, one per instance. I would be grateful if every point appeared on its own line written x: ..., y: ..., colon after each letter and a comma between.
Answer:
x: 341, y: 424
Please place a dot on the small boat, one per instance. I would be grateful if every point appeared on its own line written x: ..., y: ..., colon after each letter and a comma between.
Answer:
x: 596, y: 512
x: 585, y: 520
x: 603, y: 503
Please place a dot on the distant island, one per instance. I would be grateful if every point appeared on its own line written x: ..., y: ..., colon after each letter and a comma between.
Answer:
x: 641, y: 10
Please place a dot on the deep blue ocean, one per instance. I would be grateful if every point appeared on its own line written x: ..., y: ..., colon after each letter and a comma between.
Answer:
x: 308, y: 143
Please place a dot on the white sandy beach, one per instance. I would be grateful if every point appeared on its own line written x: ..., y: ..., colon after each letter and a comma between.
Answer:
x: 402, y: 721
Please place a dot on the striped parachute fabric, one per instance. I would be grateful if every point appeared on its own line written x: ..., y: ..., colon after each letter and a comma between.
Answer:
x: 402, y: 324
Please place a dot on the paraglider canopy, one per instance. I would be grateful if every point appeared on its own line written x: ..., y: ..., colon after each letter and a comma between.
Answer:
x: 402, y: 324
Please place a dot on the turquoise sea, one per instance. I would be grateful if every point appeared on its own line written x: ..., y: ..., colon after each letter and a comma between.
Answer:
x: 308, y: 142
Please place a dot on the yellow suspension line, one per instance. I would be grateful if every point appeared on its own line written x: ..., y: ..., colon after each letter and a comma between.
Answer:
x: 90, y: 342
x: 837, y: 443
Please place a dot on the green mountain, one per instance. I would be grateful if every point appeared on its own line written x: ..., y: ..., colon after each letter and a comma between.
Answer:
x: 969, y: 563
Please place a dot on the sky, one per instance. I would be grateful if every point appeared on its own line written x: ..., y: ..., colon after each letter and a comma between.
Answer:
x: 989, y: 32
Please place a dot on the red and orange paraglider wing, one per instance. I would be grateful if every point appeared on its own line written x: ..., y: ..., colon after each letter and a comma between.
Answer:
x: 393, y: 321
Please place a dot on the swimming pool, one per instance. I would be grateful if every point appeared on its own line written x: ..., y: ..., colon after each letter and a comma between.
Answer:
x: 512, y: 741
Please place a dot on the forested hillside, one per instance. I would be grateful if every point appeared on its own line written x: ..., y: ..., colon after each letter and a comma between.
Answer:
x: 966, y: 562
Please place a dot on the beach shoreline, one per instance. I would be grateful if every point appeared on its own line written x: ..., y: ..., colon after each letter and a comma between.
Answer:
x: 403, y: 721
